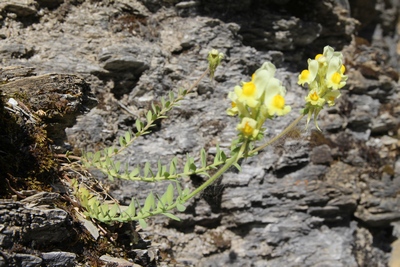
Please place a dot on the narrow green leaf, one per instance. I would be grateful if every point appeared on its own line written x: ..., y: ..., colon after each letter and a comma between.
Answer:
x: 162, y: 100
x: 223, y: 156
x: 108, y: 162
x: 118, y: 166
x: 179, y: 188
x: 153, y: 107
x: 149, y: 116
x: 171, y: 216
x: 138, y: 124
x: 169, y: 194
x: 94, y: 209
x: 186, y: 169
x: 172, y: 166
x: 93, y: 201
x: 203, y: 158
x: 161, y: 202
x: 134, y: 173
x: 84, y: 201
x: 186, y: 192
x: 96, y: 156
x: 237, y: 166
x: 122, y: 141
x: 159, y: 168
x: 146, y: 169
x: 149, y: 204
x: 142, y: 223
x: 113, y: 172
x: 114, y: 210
x: 131, y: 210
x: 171, y: 96
x: 110, y: 151
x: 164, y: 171
x: 180, y: 207
x: 193, y: 167
x: 128, y: 136
x: 204, y: 173
x: 104, y: 209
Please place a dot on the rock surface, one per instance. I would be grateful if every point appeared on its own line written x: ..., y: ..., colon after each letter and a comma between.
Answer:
x: 321, y: 199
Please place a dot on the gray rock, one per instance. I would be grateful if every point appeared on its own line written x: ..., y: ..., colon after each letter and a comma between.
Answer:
x: 59, y: 259
x: 21, y: 259
x: 321, y: 155
x: 23, y: 224
x: 20, y: 8
x: 294, y: 204
x: 117, y: 262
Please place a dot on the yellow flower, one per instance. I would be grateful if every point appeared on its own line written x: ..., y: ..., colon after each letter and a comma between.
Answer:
x: 331, y: 96
x: 263, y: 76
x: 248, y: 127
x: 335, y: 77
x: 307, y: 76
x: 247, y: 94
x: 314, y: 99
x: 274, y: 100
x: 234, y: 108
x: 276, y: 105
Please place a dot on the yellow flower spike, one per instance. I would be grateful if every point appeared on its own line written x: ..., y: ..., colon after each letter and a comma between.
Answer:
x: 324, y: 86
x: 248, y: 127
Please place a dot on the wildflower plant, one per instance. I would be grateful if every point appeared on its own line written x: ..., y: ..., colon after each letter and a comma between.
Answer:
x: 254, y: 102
x: 324, y: 77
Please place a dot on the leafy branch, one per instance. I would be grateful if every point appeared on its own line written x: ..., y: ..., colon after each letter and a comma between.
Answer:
x: 253, y: 102
x: 164, y: 172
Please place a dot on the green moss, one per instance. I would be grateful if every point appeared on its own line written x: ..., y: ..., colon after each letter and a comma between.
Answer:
x: 26, y: 160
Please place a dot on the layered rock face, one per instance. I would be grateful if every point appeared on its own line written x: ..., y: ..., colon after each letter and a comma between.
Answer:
x: 313, y: 199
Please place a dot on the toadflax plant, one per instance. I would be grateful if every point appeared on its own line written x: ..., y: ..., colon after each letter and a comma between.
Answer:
x: 253, y: 102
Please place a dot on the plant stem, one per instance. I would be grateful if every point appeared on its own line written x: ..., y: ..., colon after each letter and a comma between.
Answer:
x: 280, y: 135
x: 221, y: 171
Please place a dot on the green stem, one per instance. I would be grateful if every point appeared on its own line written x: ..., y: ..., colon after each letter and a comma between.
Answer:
x: 221, y: 171
x: 283, y: 133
